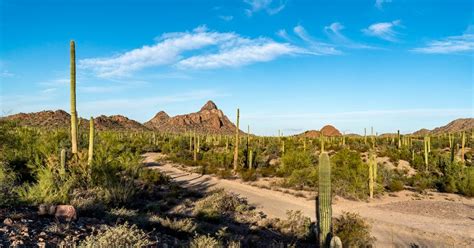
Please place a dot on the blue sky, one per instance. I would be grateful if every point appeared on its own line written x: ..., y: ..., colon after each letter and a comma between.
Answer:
x: 291, y: 64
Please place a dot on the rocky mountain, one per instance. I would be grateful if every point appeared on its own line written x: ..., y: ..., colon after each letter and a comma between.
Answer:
x: 458, y: 125
x: 209, y: 119
x: 328, y: 131
x: 62, y: 119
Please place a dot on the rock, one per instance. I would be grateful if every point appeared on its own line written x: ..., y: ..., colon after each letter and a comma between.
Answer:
x: 65, y: 212
x: 52, y: 210
x: 8, y: 222
x: 43, y: 209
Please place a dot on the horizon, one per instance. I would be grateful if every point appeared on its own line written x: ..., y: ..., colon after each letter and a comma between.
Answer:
x: 288, y: 65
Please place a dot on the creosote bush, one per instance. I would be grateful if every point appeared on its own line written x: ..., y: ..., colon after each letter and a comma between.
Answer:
x: 353, y: 230
x: 218, y: 204
x: 124, y: 235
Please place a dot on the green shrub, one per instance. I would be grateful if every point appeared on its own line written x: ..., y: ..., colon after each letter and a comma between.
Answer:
x: 350, y: 175
x: 353, y: 230
x: 294, y: 160
x: 396, y: 185
x: 8, y: 195
x: 205, y: 241
x: 117, y: 236
x: 217, y: 204
x: 186, y: 225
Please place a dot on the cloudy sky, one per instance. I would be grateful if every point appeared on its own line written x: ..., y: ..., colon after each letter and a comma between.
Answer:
x: 287, y: 64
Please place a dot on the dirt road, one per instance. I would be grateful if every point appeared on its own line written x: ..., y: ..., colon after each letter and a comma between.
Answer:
x: 440, y: 220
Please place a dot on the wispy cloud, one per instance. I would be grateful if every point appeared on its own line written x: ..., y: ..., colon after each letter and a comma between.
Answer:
x: 383, y: 30
x: 210, y: 49
x: 449, y: 45
x: 334, y: 32
x: 270, y: 6
x: 379, y: 3
x: 316, y: 47
x: 255, y: 51
x: 6, y: 74
x: 226, y: 18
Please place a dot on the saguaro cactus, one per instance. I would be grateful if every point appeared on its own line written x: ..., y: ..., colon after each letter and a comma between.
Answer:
x: 236, y: 148
x: 324, y: 210
x: 372, y: 174
x: 91, y: 141
x: 463, y: 143
x: 195, y: 148
x: 426, y: 152
x: 74, y: 125
x: 63, y: 161
x: 250, y: 159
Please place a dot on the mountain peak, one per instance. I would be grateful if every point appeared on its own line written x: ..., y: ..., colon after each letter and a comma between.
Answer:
x: 210, y: 105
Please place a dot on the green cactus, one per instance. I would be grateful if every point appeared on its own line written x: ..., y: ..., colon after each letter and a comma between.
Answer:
x: 304, y: 144
x: 63, y: 162
x: 195, y: 148
x: 236, y: 149
x: 399, y: 140
x: 250, y: 159
x: 282, y: 147
x: 463, y: 143
x: 372, y: 174
x: 91, y: 141
x: 324, y: 210
x: 74, y: 124
x: 426, y: 152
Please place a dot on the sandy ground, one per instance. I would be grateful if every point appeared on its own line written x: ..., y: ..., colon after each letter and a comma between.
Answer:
x: 400, y: 220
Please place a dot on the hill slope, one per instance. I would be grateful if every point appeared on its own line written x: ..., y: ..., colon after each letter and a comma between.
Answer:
x: 458, y: 125
x: 209, y: 119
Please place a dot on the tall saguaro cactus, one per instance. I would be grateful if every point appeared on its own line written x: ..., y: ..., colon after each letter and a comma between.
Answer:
x: 236, y: 148
x: 463, y: 144
x: 426, y: 152
x: 372, y: 174
x: 324, y: 210
x: 74, y: 125
x: 91, y: 141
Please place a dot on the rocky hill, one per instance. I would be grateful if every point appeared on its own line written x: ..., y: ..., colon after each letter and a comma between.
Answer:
x: 328, y: 131
x: 209, y: 119
x: 62, y: 119
x: 458, y: 125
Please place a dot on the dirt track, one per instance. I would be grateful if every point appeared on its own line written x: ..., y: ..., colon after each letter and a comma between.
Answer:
x: 440, y: 220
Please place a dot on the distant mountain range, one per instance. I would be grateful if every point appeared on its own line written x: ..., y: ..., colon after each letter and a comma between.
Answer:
x: 458, y: 125
x: 209, y: 119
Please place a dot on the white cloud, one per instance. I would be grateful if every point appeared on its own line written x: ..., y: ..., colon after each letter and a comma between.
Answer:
x: 270, y: 6
x: 283, y: 34
x: 258, y: 51
x: 379, y: 3
x: 199, y: 49
x: 226, y: 18
x: 168, y: 50
x: 6, y: 74
x: 383, y: 30
x: 334, y: 32
x: 452, y: 44
x: 315, y: 47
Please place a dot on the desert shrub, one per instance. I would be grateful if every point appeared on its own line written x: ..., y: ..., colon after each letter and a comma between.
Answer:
x: 303, y: 177
x: 90, y: 200
x: 8, y: 195
x: 117, y: 236
x: 248, y: 175
x: 53, y: 185
x: 421, y: 181
x: 296, y: 225
x: 353, y: 230
x: 205, y: 241
x: 456, y: 178
x: 185, y: 225
x: 395, y: 185
x: 152, y: 177
x: 219, y: 203
x: 350, y: 175
x: 294, y: 160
